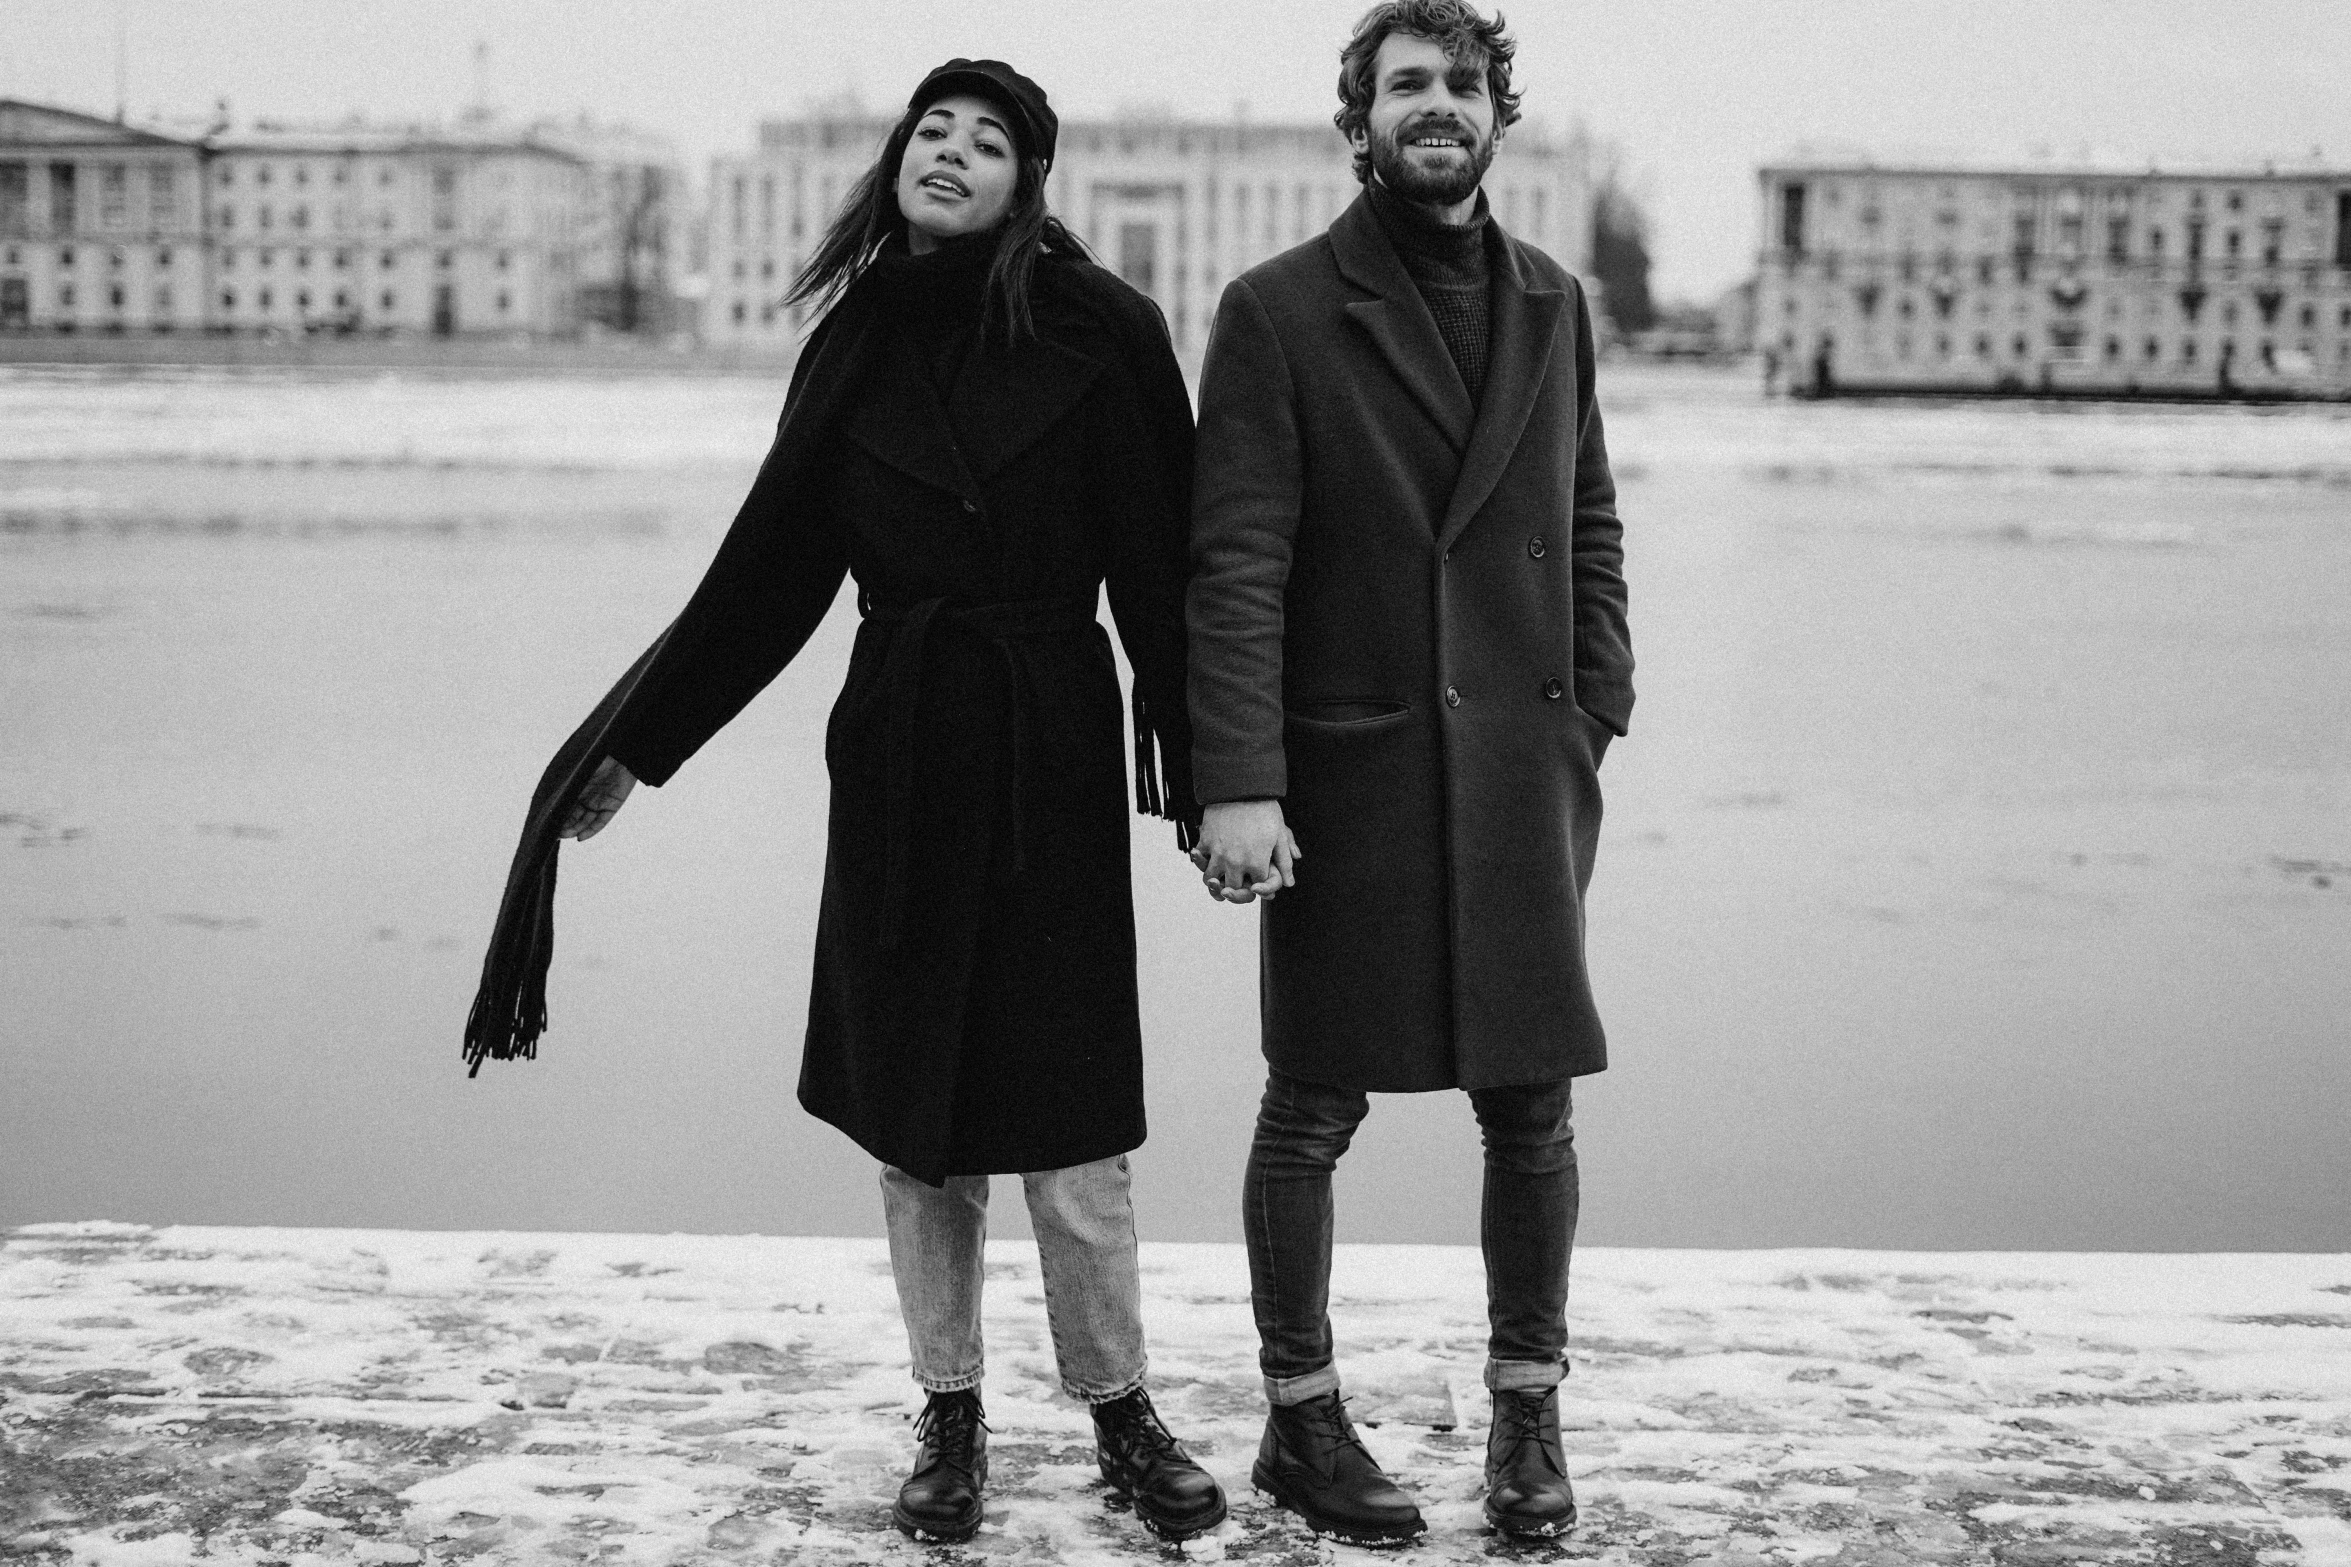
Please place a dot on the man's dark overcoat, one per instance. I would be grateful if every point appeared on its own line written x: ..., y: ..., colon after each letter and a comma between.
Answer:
x: 973, y: 1005
x: 1408, y: 623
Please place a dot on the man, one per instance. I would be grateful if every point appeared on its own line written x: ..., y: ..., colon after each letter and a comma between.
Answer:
x: 1408, y: 654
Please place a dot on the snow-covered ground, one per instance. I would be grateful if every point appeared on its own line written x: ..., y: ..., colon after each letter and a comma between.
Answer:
x: 358, y: 1396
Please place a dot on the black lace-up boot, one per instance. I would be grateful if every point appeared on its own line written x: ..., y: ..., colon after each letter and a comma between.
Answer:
x: 1142, y: 1460
x: 941, y: 1499
x: 1312, y: 1462
x: 1527, y: 1493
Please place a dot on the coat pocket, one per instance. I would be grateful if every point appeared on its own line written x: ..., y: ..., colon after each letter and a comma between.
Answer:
x: 1348, y: 713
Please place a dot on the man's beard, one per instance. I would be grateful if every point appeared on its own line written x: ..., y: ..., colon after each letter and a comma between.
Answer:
x: 1434, y: 188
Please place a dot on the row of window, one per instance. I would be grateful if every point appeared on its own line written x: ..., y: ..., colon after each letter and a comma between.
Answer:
x: 117, y: 188
x: 342, y: 259
x: 388, y: 301
x: 2266, y: 353
x: 118, y: 298
x: 444, y: 260
x: 2270, y: 304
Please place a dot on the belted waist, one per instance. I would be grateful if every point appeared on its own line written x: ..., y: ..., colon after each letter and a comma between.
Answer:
x: 1006, y: 625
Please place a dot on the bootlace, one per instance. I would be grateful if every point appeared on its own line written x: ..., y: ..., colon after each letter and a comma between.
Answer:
x: 1519, y: 1414
x: 1135, y: 1427
x: 1327, y: 1420
x: 952, y: 1425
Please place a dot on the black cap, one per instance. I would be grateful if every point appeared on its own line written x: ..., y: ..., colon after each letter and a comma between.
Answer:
x: 999, y: 84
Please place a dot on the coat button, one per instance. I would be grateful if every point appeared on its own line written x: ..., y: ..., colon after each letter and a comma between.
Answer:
x: 1535, y: 546
x: 1452, y: 697
x: 1553, y: 690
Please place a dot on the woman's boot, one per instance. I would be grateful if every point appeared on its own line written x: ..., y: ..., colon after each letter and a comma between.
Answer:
x: 941, y: 1499
x: 1142, y: 1460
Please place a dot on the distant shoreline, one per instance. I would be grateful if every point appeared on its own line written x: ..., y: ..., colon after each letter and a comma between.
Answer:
x: 175, y: 350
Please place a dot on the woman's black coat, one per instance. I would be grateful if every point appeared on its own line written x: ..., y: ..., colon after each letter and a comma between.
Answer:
x: 973, y: 1006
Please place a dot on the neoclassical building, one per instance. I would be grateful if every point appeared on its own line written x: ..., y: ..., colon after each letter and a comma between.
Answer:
x: 476, y: 229
x: 2075, y: 277
x: 1175, y: 207
x: 99, y: 224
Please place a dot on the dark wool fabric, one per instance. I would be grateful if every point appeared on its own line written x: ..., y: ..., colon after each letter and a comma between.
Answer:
x: 1408, y: 623
x: 1447, y: 264
x: 972, y: 1006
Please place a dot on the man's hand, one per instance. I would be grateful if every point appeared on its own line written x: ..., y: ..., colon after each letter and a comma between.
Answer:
x: 600, y: 801
x: 1246, y: 851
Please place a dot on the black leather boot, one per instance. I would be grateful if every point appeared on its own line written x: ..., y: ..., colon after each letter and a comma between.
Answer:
x: 941, y: 1499
x: 1527, y: 1492
x: 1312, y: 1462
x: 1142, y: 1460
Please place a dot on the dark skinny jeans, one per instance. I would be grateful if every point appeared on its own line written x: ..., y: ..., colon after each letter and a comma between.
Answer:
x: 1526, y: 1228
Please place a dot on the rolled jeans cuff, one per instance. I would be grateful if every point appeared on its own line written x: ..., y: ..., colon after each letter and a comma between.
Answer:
x: 970, y: 1379
x: 1524, y: 1376
x: 1089, y: 1396
x: 1297, y: 1390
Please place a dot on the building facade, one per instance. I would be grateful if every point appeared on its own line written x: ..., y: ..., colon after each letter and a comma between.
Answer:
x: 101, y: 225
x: 357, y: 229
x: 633, y: 236
x: 2221, y: 281
x: 284, y: 230
x: 1177, y: 208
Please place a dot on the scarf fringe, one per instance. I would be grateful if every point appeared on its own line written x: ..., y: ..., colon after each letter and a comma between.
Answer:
x: 1151, y: 793
x: 510, y: 1010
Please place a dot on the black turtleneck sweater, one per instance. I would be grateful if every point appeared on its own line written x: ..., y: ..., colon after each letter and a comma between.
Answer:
x: 936, y: 299
x: 1447, y: 262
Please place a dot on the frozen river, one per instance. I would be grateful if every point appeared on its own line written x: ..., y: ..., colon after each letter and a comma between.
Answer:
x: 1977, y: 874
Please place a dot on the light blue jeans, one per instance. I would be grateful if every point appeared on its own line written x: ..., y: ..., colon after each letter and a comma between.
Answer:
x: 1085, y: 1226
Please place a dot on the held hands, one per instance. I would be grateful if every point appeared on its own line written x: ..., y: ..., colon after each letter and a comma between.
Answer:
x: 600, y: 801
x: 1246, y: 851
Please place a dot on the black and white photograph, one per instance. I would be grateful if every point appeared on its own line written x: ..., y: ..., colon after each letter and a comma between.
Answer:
x: 1600, y: 754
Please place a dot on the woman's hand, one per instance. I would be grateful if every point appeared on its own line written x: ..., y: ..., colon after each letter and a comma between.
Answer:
x: 600, y: 801
x: 1246, y: 851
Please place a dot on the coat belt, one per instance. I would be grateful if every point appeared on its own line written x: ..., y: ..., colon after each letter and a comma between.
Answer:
x: 1007, y: 626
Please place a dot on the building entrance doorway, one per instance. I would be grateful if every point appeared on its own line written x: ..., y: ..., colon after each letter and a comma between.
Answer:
x: 16, y: 304
x: 444, y: 310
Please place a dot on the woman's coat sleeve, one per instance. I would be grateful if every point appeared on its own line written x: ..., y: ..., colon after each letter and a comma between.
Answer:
x: 766, y: 591
x: 1147, y: 478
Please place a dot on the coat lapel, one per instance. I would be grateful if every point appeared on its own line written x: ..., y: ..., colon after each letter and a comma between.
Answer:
x: 901, y: 420
x: 1002, y: 402
x: 1525, y: 323
x: 1007, y: 398
x: 1399, y: 322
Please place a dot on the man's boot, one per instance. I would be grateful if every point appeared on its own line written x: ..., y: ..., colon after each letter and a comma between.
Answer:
x: 941, y: 1499
x: 1142, y: 1460
x: 1312, y: 1462
x: 1527, y: 1493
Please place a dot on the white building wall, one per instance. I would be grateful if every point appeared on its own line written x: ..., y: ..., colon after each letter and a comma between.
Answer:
x: 2075, y: 279
x: 1179, y: 209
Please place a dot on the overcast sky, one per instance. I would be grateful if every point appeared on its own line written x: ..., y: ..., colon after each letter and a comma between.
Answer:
x: 1695, y: 91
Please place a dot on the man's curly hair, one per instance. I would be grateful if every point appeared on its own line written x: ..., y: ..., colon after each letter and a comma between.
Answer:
x: 1453, y: 26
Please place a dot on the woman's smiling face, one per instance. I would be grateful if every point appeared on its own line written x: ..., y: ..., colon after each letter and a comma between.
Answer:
x: 958, y: 173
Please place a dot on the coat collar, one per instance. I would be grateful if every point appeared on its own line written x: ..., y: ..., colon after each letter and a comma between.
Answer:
x: 1399, y: 321
x: 1002, y: 403
x: 1525, y: 326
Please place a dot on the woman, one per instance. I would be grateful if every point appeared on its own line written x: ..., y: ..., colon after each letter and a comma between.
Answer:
x: 983, y: 429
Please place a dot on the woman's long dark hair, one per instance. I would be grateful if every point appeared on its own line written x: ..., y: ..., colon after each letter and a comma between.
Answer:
x: 870, y: 218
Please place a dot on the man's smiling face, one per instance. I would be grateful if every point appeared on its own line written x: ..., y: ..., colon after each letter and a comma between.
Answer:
x: 1431, y: 126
